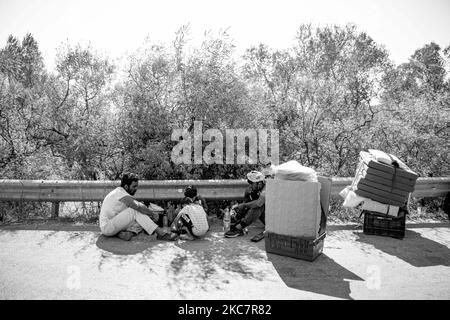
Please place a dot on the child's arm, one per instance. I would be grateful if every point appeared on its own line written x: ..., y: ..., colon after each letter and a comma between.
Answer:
x: 203, y: 202
x: 175, y: 221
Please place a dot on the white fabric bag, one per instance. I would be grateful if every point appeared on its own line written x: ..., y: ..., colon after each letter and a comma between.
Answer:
x: 292, y: 170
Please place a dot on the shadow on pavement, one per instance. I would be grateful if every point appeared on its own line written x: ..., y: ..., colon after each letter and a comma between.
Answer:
x: 413, y: 249
x: 322, y: 276
x: 212, y: 255
x: 211, y: 263
x: 117, y: 246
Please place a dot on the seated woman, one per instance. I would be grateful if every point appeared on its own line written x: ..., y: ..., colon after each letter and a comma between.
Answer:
x: 191, y: 222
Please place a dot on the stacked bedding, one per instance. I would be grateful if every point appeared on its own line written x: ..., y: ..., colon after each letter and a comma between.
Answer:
x: 382, y: 183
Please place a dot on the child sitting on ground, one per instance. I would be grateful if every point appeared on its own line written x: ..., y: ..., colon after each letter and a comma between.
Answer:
x: 191, y: 192
x: 191, y: 222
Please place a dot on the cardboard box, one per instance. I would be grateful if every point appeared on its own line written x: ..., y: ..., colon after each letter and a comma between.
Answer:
x: 294, y: 208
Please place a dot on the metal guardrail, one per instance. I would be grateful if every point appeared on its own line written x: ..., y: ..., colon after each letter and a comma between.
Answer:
x: 73, y: 190
x: 68, y: 191
x: 47, y: 190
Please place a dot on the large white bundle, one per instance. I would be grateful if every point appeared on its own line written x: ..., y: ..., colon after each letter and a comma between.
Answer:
x: 292, y: 170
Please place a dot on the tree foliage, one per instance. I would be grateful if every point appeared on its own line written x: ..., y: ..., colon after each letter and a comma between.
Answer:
x: 332, y: 94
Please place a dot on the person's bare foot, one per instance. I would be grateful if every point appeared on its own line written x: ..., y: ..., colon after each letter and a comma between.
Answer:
x: 125, y: 235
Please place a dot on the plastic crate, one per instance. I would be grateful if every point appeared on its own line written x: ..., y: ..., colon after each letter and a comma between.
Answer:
x: 384, y: 225
x: 295, y: 247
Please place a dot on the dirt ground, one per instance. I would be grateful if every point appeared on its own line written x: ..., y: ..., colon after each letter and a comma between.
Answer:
x: 54, y: 260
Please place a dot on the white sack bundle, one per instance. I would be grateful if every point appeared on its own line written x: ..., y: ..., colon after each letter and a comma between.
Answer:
x: 292, y: 170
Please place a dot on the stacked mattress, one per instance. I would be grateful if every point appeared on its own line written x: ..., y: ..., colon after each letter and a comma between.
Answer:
x: 383, y: 178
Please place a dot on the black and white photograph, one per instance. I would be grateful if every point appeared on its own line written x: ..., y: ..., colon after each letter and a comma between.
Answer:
x: 225, y: 156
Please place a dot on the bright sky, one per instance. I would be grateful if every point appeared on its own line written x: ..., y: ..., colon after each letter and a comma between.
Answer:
x: 117, y: 26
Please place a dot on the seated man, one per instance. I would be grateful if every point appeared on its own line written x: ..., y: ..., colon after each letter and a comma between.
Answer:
x: 248, y: 212
x: 191, y: 222
x: 122, y: 215
x: 251, y: 194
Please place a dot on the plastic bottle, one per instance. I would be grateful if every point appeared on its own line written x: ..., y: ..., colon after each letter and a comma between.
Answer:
x: 165, y: 221
x: 226, y: 220
x: 170, y: 212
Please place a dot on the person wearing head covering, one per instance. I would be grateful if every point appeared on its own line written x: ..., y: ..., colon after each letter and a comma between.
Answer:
x: 254, y: 207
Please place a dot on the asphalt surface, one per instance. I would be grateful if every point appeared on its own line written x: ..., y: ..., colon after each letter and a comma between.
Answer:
x: 76, y: 262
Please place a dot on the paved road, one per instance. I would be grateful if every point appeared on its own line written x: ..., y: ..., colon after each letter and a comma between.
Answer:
x: 81, y: 264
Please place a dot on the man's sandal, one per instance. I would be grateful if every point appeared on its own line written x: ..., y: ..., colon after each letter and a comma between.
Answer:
x: 258, y: 237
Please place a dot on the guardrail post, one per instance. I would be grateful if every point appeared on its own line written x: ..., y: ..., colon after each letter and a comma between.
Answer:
x: 55, y: 210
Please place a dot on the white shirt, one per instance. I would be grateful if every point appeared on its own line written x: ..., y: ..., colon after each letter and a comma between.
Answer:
x: 198, y: 217
x: 112, y: 205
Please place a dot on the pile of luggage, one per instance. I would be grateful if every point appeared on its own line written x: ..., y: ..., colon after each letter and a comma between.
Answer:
x: 381, y: 188
x: 297, y: 203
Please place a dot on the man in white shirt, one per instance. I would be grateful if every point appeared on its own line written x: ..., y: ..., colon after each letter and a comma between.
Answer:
x: 122, y: 215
